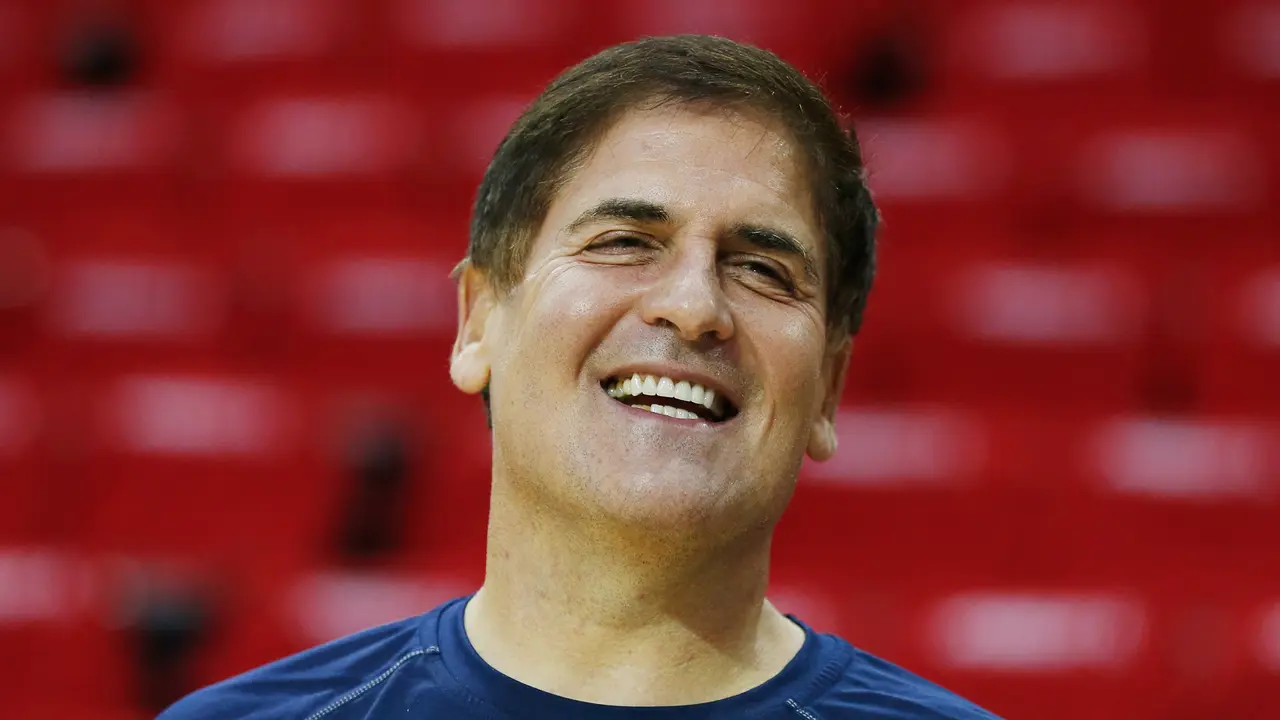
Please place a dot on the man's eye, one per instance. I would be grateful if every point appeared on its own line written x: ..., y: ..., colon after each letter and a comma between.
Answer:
x: 766, y: 270
x: 620, y: 242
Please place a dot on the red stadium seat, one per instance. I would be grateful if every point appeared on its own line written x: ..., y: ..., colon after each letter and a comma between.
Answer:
x: 215, y: 53
x: 469, y: 138
x: 1010, y: 648
x: 1224, y: 51
x: 325, y: 605
x: 113, y: 152
x: 1047, y: 54
x: 444, y: 499
x: 107, y: 307
x: 1261, y: 691
x: 1213, y: 170
x: 189, y: 467
x: 46, y: 596
x: 1179, y: 168
x: 1180, y: 506
x: 20, y: 425
x: 19, y: 49
x: 1247, y: 36
x: 908, y: 447
x: 819, y: 610
x: 507, y: 47
x: 1013, y: 328
x: 780, y: 27
x: 314, y: 148
x: 913, y: 492
x: 1242, y: 342
x: 359, y: 296
x: 935, y: 176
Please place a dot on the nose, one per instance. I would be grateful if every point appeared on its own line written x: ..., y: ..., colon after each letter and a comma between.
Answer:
x: 689, y: 298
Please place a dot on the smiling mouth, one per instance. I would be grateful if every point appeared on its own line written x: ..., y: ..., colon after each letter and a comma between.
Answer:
x: 671, y: 397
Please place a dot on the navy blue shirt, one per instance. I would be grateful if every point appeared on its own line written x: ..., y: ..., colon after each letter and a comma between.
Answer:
x: 425, y: 667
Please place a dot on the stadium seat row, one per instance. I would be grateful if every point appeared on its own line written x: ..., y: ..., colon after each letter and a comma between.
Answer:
x: 1110, y: 651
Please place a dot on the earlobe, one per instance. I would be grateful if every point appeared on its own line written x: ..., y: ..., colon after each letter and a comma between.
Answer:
x: 822, y: 433
x: 469, y: 365
x: 822, y: 440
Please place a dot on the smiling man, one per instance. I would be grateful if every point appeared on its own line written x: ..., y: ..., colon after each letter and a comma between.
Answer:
x: 670, y: 254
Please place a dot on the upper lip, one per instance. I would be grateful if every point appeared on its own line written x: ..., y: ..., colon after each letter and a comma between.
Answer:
x: 678, y: 373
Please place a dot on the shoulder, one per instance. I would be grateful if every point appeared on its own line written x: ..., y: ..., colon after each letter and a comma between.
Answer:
x: 301, y: 685
x: 872, y: 687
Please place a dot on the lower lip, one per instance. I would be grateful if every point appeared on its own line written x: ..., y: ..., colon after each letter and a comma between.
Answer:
x: 642, y: 413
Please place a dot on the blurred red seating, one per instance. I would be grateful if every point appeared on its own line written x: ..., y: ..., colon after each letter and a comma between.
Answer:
x: 1241, y: 348
x: 470, y: 135
x: 1179, y: 168
x: 999, y: 441
x: 108, y: 308
x: 781, y: 27
x: 506, y: 46
x: 1250, y: 39
x: 324, y: 605
x: 20, y: 479
x: 215, y: 53
x: 429, y: 26
x: 113, y: 152
x: 312, y: 152
x: 907, y: 447
x: 119, y: 292
x: 82, y: 652
x: 355, y: 295
x: 301, y: 137
x: 17, y: 49
x: 968, y: 324
x: 936, y: 175
x: 1163, y: 170
x: 1047, y: 54
x: 816, y: 607
x: 1011, y: 648
x: 922, y: 485
x: 1203, y: 459
x: 1246, y: 62
x: 1172, y: 503
x: 44, y: 593
x: 191, y: 466
x: 443, y: 498
x: 1022, y: 632
x: 377, y: 315
x: 1220, y: 51
x: 1263, y: 648
x: 381, y: 296
x: 1175, y: 167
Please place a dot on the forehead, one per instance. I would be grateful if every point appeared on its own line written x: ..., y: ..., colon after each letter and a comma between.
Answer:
x: 703, y: 164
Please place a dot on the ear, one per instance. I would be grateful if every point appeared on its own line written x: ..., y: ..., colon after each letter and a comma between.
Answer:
x: 470, y: 363
x: 822, y: 433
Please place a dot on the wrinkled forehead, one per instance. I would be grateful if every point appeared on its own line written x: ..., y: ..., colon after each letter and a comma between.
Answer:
x: 713, y: 159
x: 702, y: 131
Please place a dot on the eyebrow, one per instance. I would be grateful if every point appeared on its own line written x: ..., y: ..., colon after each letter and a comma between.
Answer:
x: 776, y: 241
x: 629, y: 209
x: 646, y: 212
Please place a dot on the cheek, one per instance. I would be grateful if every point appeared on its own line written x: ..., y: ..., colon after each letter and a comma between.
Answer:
x: 579, y: 298
x: 803, y: 333
x: 794, y: 354
x: 573, y: 309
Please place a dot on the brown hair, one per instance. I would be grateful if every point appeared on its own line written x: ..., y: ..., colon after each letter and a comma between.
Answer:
x: 560, y: 128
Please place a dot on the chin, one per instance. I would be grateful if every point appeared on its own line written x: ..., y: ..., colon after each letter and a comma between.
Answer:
x: 671, y: 506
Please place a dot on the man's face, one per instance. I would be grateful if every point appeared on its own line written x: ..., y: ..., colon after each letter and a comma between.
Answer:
x: 682, y: 259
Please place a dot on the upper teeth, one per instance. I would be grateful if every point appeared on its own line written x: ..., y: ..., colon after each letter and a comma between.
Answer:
x: 662, y: 386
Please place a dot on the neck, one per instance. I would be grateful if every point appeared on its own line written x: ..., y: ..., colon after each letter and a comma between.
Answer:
x: 603, y: 617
